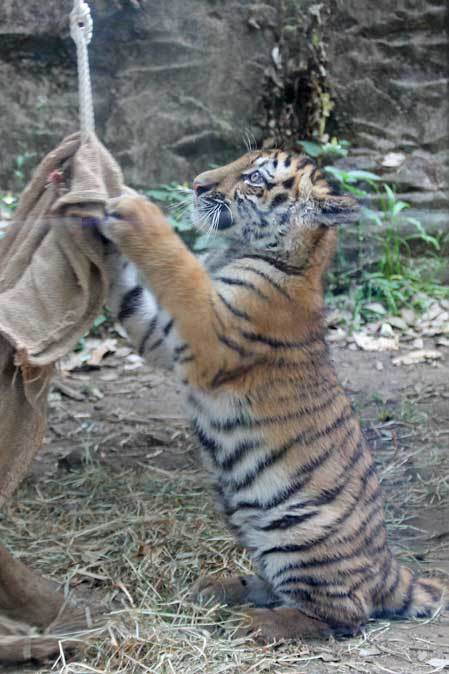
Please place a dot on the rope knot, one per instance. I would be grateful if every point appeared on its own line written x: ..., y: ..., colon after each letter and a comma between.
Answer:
x: 81, y: 24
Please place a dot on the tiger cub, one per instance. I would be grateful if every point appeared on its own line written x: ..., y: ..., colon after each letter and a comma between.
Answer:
x: 244, y: 329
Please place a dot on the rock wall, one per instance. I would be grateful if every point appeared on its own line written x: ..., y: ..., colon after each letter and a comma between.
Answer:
x: 177, y: 83
x: 388, y: 65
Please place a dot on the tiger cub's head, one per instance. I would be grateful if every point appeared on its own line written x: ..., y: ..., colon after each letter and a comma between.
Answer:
x: 268, y: 200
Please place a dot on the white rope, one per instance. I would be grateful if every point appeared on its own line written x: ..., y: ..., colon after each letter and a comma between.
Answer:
x: 81, y: 30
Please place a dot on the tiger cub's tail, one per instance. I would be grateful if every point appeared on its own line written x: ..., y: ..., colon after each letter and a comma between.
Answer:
x: 404, y: 595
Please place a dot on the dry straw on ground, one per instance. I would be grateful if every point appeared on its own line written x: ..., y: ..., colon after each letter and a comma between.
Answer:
x: 136, y: 539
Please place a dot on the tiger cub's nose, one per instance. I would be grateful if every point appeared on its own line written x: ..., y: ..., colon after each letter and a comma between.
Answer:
x: 201, y: 186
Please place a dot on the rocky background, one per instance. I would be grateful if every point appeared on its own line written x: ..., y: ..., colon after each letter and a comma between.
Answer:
x: 179, y: 84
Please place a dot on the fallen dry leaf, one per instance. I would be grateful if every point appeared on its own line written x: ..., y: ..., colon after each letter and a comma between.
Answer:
x: 393, y: 159
x: 415, y: 357
x: 438, y: 663
x: 91, y: 355
x: 99, y: 352
x: 369, y: 343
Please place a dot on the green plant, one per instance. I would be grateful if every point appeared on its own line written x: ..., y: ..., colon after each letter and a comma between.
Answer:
x: 390, y: 278
x: 334, y: 148
x: 22, y: 160
x: 8, y: 204
x: 102, y: 321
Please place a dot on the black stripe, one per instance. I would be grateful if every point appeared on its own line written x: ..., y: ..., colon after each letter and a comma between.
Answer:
x: 287, y: 161
x: 280, y: 265
x: 311, y: 581
x: 234, y: 346
x: 157, y: 344
x: 301, y: 478
x: 303, y: 438
x: 268, y: 278
x: 236, y: 312
x: 242, y: 284
x: 299, y: 593
x: 280, y: 343
x: 339, y: 577
x: 408, y: 599
x: 303, y: 162
x: 435, y: 592
x: 313, y: 174
x: 149, y: 331
x: 181, y: 348
x: 239, y: 451
x: 350, y: 538
x: 288, y: 521
x: 166, y: 329
x: 311, y: 366
x: 130, y: 303
x: 239, y: 420
x: 393, y: 586
x: 330, y: 559
x: 186, y: 359
x: 288, y: 184
x: 247, y: 422
x: 259, y: 422
x: 327, y: 496
x: 206, y: 442
x: 279, y: 199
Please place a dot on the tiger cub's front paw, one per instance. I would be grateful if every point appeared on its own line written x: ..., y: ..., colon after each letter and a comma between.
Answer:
x: 130, y: 223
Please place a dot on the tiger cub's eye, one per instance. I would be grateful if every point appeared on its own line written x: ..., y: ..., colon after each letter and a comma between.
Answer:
x: 254, y: 178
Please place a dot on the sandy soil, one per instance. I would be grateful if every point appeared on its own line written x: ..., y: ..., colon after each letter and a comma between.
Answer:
x: 128, y: 426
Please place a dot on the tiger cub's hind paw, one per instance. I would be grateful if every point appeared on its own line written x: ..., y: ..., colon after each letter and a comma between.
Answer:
x: 266, y: 625
x: 233, y: 591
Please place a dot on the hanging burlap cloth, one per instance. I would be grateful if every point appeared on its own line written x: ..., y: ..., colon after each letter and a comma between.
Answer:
x: 52, y: 286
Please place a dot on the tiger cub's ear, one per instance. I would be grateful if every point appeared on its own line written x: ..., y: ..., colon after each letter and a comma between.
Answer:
x: 335, y: 209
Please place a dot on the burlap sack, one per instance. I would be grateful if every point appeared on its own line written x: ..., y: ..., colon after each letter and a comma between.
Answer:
x: 52, y: 286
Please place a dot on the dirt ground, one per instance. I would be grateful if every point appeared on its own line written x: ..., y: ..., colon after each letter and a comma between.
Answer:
x: 117, y: 509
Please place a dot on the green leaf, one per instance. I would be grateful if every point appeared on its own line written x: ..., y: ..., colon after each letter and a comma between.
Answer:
x: 399, y: 206
x: 312, y: 149
x: 358, y: 175
x: 8, y: 199
x: 422, y: 234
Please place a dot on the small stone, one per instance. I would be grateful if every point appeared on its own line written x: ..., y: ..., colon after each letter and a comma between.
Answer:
x: 443, y: 341
x: 398, y: 323
x: 408, y: 316
x: 415, y: 357
x: 379, y: 365
x: 353, y: 347
x: 432, y: 312
x: 374, y: 343
x: 386, y: 330
x: 442, y: 318
x: 376, y: 308
x: 417, y: 343
x: 336, y: 335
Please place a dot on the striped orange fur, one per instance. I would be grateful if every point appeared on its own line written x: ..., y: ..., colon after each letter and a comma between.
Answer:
x: 244, y: 329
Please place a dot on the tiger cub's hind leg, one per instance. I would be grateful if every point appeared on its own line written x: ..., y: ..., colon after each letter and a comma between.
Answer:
x: 234, y: 591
